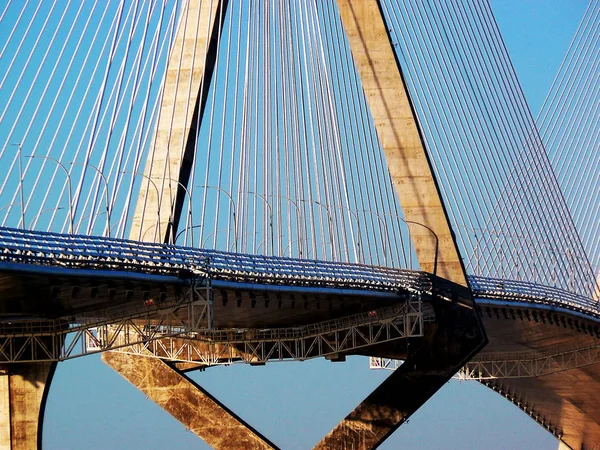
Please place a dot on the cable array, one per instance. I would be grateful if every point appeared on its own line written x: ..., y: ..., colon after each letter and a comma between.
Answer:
x: 292, y: 164
x: 80, y: 84
x: 569, y: 127
x: 286, y: 162
x: 504, y: 201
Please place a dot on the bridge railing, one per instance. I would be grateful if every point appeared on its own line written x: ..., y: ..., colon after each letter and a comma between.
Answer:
x: 51, y: 249
x: 521, y: 291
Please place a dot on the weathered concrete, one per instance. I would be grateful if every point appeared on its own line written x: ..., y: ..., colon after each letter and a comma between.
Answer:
x: 456, y: 336
x: 169, y: 162
x: 399, y: 136
x: 157, y: 214
x: 194, y: 407
x: 23, y: 392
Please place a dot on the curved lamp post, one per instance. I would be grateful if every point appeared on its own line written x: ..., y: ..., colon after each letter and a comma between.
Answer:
x: 271, y: 217
x: 107, y: 194
x: 235, y: 231
x: 62, y: 166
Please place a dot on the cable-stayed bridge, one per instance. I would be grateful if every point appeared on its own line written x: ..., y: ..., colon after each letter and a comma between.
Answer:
x: 284, y: 131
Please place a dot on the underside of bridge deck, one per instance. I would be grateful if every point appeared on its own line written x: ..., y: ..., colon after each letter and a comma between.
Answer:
x: 558, y: 383
x: 455, y: 337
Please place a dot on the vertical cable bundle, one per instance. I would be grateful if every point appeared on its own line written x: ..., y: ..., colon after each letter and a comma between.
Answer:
x: 81, y: 83
x: 285, y: 157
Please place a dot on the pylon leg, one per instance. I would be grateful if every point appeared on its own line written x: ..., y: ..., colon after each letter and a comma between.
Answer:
x: 398, y: 132
x: 23, y: 392
x: 457, y: 335
x: 189, y: 403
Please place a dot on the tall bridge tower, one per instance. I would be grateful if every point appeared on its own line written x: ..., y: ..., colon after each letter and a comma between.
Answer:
x: 384, y: 183
x: 183, y: 104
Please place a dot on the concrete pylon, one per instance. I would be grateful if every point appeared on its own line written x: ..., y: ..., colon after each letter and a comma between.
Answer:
x: 193, y: 406
x: 23, y: 391
x: 189, y: 72
x: 166, y: 174
x: 457, y: 336
x: 399, y: 135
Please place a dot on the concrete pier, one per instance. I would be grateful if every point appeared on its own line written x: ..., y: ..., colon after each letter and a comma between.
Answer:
x: 23, y: 392
x: 456, y: 336
x: 189, y: 403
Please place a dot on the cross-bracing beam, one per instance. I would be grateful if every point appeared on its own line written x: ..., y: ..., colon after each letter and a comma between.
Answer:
x: 189, y: 403
x: 456, y: 336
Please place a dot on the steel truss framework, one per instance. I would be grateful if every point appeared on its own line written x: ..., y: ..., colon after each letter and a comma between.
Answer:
x: 529, y: 365
x: 184, y: 333
x: 55, y: 340
x: 333, y: 337
x: 518, y: 365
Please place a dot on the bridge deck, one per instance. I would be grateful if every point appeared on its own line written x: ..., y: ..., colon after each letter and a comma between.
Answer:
x: 75, y: 278
x: 564, y: 396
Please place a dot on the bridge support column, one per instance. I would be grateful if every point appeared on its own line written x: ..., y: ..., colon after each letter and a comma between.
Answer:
x: 185, y: 400
x: 23, y: 392
x: 454, y: 339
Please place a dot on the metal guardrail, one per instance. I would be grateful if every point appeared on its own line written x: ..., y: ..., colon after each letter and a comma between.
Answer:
x: 72, y: 251
x: 525, y: 292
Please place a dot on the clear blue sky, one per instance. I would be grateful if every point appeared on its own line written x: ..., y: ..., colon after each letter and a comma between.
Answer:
x: 295, y: 404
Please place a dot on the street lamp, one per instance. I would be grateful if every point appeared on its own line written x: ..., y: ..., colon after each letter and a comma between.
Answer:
x: 437, y: 243
x: 235, y: 231
x: 386, y: 241
x: 105, y: 191
x: 329, y: 226
x: 37, y: 216
x: 299, y: 215
x: 140, y: 236
x: 271, y: 217
x: 62, y: 166
x: 189, y: 213
x: 355, y: 215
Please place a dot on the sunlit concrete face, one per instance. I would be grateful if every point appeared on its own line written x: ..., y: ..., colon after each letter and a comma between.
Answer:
x: 23, y: 392
x: 184, y: 83
x: 187, y: 402
x: 399, y: 136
